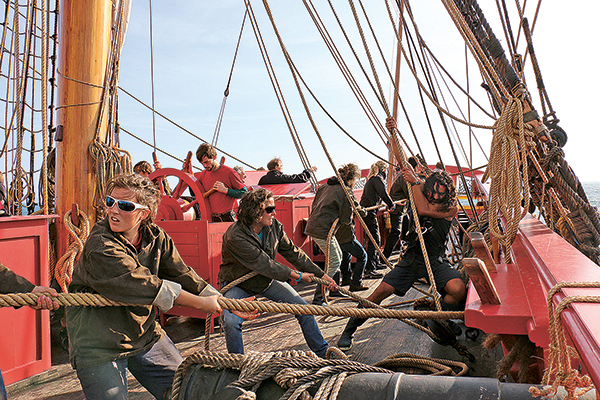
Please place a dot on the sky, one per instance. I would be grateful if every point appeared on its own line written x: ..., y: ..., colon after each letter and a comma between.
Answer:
x: 194, y: 45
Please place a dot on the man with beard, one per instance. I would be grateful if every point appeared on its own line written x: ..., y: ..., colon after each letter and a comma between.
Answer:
x: 436, y: 204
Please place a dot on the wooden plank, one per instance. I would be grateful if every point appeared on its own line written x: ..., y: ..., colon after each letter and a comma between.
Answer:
x: 480, y: 278
x: 482, y: 251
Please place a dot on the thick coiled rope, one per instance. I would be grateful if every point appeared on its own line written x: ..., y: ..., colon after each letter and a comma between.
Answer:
x: 295, y: 371
x: 508, y: 171
x: 63, y: 270
x: 559, y: 360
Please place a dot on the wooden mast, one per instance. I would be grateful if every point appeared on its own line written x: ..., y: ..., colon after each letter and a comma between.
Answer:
x: 85, y: 34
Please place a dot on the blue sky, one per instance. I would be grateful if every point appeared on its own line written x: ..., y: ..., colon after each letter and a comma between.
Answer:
x: 194, y: 44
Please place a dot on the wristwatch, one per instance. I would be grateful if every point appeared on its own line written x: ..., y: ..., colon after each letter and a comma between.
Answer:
x: 415, y: 183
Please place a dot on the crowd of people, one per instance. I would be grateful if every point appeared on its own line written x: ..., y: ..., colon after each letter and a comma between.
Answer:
x: 128, y: 258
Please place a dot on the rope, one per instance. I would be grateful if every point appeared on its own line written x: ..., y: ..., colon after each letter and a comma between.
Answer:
x: 436, y: 366
x: 509, y: 171
x: 215, y: 138
x: 295, y: 371
x: 63, y: 270
x: 559, y: 363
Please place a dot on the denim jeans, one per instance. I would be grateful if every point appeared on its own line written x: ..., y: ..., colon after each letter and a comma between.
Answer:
x: 2, y: 388
x: 154, y: 369
x: 335, y: 253
x: 280, y: 292
x: 354, y: 248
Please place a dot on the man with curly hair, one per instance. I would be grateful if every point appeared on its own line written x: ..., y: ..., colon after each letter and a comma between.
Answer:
x: 436, y: 204
x: 251, y: 244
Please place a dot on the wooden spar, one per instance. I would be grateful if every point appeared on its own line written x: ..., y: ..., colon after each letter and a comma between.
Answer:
x: 85, y: 34
x: 395, y: 96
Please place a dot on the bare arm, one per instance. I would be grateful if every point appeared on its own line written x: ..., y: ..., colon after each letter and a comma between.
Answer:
x: 424, y: 207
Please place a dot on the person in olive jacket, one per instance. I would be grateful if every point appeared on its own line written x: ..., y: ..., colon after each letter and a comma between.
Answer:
x: 129, y: 259
x: 331, y: 203
x: 13, y: 283
x: 251, y: 244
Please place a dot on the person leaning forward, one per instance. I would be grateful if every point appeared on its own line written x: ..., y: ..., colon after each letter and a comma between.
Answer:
x: 129, y: 259
x: 435, y: 200
x: 251, y: 244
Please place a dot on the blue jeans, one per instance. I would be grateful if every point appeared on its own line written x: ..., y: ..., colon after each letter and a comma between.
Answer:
x: 280, y: 292
x: 2, y: 388
x: 354, y: 248
x: 154, y: 369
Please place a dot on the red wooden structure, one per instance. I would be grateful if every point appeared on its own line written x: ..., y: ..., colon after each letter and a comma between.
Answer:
x: 25, y: 333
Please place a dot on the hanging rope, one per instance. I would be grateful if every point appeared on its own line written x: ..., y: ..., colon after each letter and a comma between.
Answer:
x: 152, y: 77
x: 63, y: 271
x: 509, y: 171
x: 215, y: 138
x: 559, y: 360
x: 278, y: 91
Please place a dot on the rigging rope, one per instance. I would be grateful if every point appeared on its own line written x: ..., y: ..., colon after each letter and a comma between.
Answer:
x: 508, y: 171
x: 278, y: 92
x: 152, y: 77
x: 215, y: 138
x: 559, y: 361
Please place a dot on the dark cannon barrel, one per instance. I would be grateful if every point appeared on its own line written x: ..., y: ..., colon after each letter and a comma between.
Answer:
x: 201, y: 383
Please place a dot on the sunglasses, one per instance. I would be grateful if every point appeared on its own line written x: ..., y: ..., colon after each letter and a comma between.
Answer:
x: 270, y: 209
x: 123, y: 205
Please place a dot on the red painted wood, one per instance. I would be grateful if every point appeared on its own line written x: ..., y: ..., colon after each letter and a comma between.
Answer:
x: 25, y: 333
x: 542, y: 259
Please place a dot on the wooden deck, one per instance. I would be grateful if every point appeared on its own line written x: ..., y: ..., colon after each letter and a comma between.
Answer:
x: 374, y: 341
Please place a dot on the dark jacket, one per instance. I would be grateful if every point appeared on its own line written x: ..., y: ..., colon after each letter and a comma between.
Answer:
x: 13, y: 283
x: 399, y: 191
x: 244, y: 252
x: 111, y: 266
x: 374, y: 191
x: 274, y: 177
x: 329, y: 204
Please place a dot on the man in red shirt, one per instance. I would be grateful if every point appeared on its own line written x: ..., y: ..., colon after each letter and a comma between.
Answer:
x: 222, y: 185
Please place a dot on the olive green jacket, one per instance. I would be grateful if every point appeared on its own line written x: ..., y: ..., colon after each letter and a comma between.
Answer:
x: 243, y: 252
x: 111, y: 266
x: 13, y: 283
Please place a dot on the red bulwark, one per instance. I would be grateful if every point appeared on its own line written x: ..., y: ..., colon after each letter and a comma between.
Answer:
x: 199, y: 244
x: 25, y: 333
x: 541, y: 260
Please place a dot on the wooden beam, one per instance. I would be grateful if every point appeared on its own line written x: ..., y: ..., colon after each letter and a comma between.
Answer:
x: 481, y: 280
x: 482, y: 251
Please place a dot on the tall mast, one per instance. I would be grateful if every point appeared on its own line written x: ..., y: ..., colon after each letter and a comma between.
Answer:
x: 85, y: 34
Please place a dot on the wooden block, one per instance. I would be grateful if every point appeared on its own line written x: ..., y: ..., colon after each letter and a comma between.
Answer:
x: 482, y: 251
x: 482, y: 281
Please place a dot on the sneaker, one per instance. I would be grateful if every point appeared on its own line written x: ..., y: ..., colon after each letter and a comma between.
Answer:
x: 345, y: 342
x: 337, y: 294
x: 358, y: 288
x: 372, y: 275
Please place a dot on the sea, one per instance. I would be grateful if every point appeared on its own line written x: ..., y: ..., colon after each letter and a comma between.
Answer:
x: 592, y: 190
